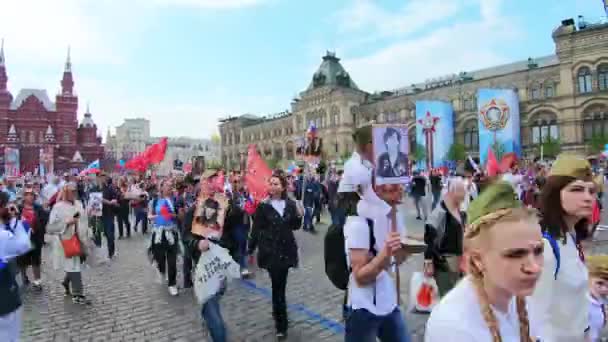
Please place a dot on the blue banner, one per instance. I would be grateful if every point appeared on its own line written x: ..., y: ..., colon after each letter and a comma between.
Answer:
x: 498, y: 112
x: 434, y: 131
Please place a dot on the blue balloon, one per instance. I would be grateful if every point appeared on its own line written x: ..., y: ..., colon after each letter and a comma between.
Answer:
x: 121, y: 163
x: 606, y: 147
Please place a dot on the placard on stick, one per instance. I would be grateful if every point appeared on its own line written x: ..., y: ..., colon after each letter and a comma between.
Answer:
x: 391, y: 146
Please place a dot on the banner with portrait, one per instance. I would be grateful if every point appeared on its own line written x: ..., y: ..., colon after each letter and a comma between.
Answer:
x: 46, y: 166
x: 391, y: 148
x: 11, y: 161
x: 498, y: 113
x: 434, y: 132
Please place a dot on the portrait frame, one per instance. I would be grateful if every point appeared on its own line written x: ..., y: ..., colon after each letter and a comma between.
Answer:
x: 390, y: 169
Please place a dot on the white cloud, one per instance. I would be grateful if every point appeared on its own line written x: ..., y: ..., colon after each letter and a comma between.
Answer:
x: 211, y: 4
x: 461, y: 45
x: 368, y: 18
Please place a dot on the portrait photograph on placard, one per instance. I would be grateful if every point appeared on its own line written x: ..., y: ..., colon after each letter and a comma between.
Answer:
x: 391, y: 153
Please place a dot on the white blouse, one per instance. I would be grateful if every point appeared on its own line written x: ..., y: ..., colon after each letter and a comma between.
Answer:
x: 597, y: 318
x: 458, y: 317
x: 561, y: 304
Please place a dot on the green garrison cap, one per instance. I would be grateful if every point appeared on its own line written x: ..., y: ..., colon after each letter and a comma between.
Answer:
x: 598, y: 266
x: 363, y: 135
x: 499, y: 195
x: 571, y: 165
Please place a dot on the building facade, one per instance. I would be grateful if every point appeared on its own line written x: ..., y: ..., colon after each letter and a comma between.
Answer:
x: 37, y: 126
x: 131, y: 138
x: 183, y: 149
x: 562, y: 96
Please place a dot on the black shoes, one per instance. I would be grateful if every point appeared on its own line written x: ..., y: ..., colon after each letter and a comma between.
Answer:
x: 81, y: 300
x: 66, y: 288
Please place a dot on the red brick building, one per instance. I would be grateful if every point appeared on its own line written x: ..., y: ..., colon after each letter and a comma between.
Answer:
x: 38, y: 127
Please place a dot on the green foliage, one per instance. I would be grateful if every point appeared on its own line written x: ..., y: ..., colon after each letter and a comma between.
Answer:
x: 551, y: 147
x: 419, y: 153
x: 272, y: 163
x: 213, y: 165
x: 457, y: 152
x: 597, y: 142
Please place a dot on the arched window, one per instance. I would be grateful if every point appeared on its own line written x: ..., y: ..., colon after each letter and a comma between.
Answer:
x: 335, y: 116
x: 549, y: 89
x: 544, y: 130
x: 411, y: 135
x: 66, y: 137
x: 595, y: 125
x: 471, y: 135
x: 602, y: 76
x: 535, y: 92
x: 584, y: 80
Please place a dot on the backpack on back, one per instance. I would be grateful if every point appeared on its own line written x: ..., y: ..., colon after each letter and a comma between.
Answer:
x: 336, y: 265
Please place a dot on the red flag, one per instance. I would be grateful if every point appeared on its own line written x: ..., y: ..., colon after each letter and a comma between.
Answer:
x: 257, y: 175
x: 492, y: 167
x: 508, y: 160
x: 138, y: 163
x: 156, y: 153
x: 188, y: 167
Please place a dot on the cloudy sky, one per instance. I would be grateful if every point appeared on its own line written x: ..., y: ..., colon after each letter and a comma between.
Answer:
x: 185, y: 63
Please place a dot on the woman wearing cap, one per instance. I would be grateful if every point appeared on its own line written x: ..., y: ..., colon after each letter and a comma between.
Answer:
x: 33, y: 214
x: 275, y: 220
x: 506, y: 258
x: 566, y: 201
x: 68, y: 218
x: 14, y: 241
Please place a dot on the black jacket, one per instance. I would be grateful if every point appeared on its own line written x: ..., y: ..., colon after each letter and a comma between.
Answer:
x: 39, y: 226
x: 273, y: 235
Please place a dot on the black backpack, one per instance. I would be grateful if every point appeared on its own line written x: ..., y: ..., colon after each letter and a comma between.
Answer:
x: 336, y: 267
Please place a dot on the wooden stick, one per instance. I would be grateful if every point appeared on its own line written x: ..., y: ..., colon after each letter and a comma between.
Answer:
x: 397, y: 277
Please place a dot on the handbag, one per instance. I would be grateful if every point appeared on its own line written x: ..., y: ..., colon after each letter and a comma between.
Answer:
x: 71, y: 246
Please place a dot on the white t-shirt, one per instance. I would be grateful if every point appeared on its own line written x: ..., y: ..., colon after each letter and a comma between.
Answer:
x: 279, y: 206
x: 458, y: 318
x: 562, y: 304
x: 597, y: 318
x: 356, y: 236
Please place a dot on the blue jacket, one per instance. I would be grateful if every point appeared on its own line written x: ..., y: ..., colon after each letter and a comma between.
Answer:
x: 14, y: 241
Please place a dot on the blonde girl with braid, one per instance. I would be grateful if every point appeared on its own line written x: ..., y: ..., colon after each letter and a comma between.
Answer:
x: 505, y: 259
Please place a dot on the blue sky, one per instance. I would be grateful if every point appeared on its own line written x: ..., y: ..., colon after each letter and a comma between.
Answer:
x: 184, y: 63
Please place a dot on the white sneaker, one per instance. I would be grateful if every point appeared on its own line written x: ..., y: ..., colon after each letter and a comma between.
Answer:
x: 173, y: 290
x: 245, y: 273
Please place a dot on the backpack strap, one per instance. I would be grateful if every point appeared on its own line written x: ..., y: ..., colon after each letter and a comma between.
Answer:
x: 372, y: 247
x: 555, y: 248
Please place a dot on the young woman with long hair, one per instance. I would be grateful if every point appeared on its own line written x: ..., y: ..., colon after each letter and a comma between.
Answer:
x: 566, y: 201
x: 272, y: 235
x: 505, y: 259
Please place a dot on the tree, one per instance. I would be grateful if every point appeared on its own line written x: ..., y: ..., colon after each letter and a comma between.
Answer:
x: 215, y: 138
x: 551, y: 147
x: 272, y: 163
x: 457, y: 152
x: 498, y: 149
x: 419, y: 153
x: 213, y: 165
x: 597, y: 142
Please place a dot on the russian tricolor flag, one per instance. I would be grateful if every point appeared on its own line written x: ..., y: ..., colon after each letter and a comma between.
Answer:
x: 91, y: 168
x: 312, y: 129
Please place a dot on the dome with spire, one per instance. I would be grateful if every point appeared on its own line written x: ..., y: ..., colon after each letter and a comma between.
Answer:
x: 331, y: 73
x: 87, y: 121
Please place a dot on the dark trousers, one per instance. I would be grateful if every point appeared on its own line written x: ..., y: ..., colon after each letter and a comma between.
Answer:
x: 187, y: 267
x: 123, y: 219
x: 141, y: 216
x: 165, y: 256
x: 436, y: 198
x: 108, y: 229
x: 278, y: 278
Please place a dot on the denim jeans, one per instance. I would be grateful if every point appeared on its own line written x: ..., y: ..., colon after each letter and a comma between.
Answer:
x: 436, y: 197
x: 240, y: 235
x: 108, y: 229
x: 141, y: 216
x: 363, y: 326
x: 308, y: 211
x: 213, y: 319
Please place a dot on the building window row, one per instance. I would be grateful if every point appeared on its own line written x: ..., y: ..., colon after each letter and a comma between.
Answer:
x: 585, y: 79
x: 543, y: 131
x: 595, y: 125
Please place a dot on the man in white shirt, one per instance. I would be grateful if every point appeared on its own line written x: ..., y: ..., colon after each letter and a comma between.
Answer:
x: 372, y: 288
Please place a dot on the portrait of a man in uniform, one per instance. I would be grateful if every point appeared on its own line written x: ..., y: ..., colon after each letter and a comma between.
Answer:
x: 393, y: 162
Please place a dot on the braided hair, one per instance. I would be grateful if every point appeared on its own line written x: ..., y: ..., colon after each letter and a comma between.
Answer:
x: 471, y: 236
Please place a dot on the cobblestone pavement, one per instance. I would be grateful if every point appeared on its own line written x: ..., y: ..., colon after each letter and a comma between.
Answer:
x: 129, y: 306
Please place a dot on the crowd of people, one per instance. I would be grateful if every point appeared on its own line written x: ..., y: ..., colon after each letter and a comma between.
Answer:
x: 506, y: 251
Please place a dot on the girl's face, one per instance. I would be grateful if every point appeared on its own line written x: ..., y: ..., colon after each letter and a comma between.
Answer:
x: 512, y: 256
x: 276, y: 188
x: 577, y: 199
x: 599, y: 288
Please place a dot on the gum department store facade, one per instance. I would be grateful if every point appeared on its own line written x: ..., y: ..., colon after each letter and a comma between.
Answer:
x: 564, y: 96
